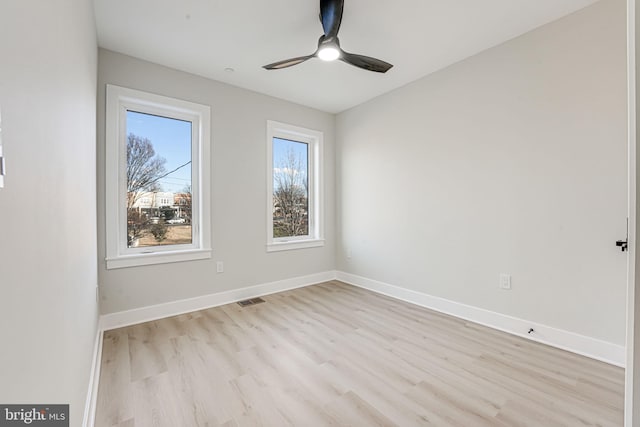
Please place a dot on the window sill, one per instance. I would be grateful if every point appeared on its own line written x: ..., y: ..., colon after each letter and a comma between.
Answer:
x: 157, y: 258
x: 294, y: 244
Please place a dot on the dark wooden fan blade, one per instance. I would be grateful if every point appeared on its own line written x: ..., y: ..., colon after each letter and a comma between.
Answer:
x: 331, y: 16
x: 365, y: 62
x: 287, y: 63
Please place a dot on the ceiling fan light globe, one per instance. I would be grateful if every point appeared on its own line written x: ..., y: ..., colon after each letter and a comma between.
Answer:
x: 328, y: 53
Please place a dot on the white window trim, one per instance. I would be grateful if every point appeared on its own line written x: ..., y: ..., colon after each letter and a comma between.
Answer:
x: 119, y: 100
x: 316, y: 197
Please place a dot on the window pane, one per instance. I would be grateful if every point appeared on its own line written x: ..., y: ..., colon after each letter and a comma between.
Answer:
x: 158, y: 180
x: 290, y: 188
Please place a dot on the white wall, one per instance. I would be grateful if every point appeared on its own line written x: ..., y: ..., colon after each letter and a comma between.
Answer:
x: 512, y: 161
x: 239, y: 189
x: 48, y: 271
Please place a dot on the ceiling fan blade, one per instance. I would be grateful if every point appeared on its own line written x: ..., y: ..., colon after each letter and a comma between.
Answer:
x: 331, y: 16
x: 287, y: 63
x: 365, y: 62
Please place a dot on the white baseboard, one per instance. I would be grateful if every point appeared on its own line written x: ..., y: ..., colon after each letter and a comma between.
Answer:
x: 92, y: 394
x: 576, y: 343
x: 174, y: 308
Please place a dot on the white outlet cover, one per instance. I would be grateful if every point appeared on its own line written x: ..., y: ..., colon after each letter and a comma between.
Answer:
x: 220, y: 267
x: 505, y: 281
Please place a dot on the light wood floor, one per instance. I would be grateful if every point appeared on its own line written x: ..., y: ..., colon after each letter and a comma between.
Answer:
x: 333, y: 354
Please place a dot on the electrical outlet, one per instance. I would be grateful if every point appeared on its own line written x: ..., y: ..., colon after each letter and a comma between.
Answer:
x: 220, y: 267
x: 505, y: 281
x: 349, y: 253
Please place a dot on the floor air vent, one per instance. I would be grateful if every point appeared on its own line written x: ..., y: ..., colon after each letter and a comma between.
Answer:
x: 251, y: 301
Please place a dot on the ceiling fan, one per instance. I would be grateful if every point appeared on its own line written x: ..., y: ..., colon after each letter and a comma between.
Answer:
x: 329, y: 46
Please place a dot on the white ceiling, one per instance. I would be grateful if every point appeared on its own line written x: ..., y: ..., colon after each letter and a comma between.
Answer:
x: 205, y: 37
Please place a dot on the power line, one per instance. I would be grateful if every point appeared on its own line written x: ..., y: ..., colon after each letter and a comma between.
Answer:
x: 177, y: 179
x: 170, y: 172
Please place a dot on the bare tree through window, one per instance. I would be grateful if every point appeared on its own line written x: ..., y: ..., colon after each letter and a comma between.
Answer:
x: 290, y: 188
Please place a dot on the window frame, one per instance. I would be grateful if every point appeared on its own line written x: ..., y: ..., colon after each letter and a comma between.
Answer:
x: 119, y: 101
x: 314, y: 140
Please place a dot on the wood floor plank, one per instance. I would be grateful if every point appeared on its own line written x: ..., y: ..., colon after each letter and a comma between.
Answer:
x: 114, y: 405
x: 336, y: 355
x: 127, y: 423
x: 154, y: 402
x: 351, y: 410
x: 256, y: 405
x: 196, y: 383
x: 145, y: 350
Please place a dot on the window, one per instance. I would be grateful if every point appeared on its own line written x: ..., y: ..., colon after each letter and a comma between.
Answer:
x: 294, y: 202
x: 157, y: 179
